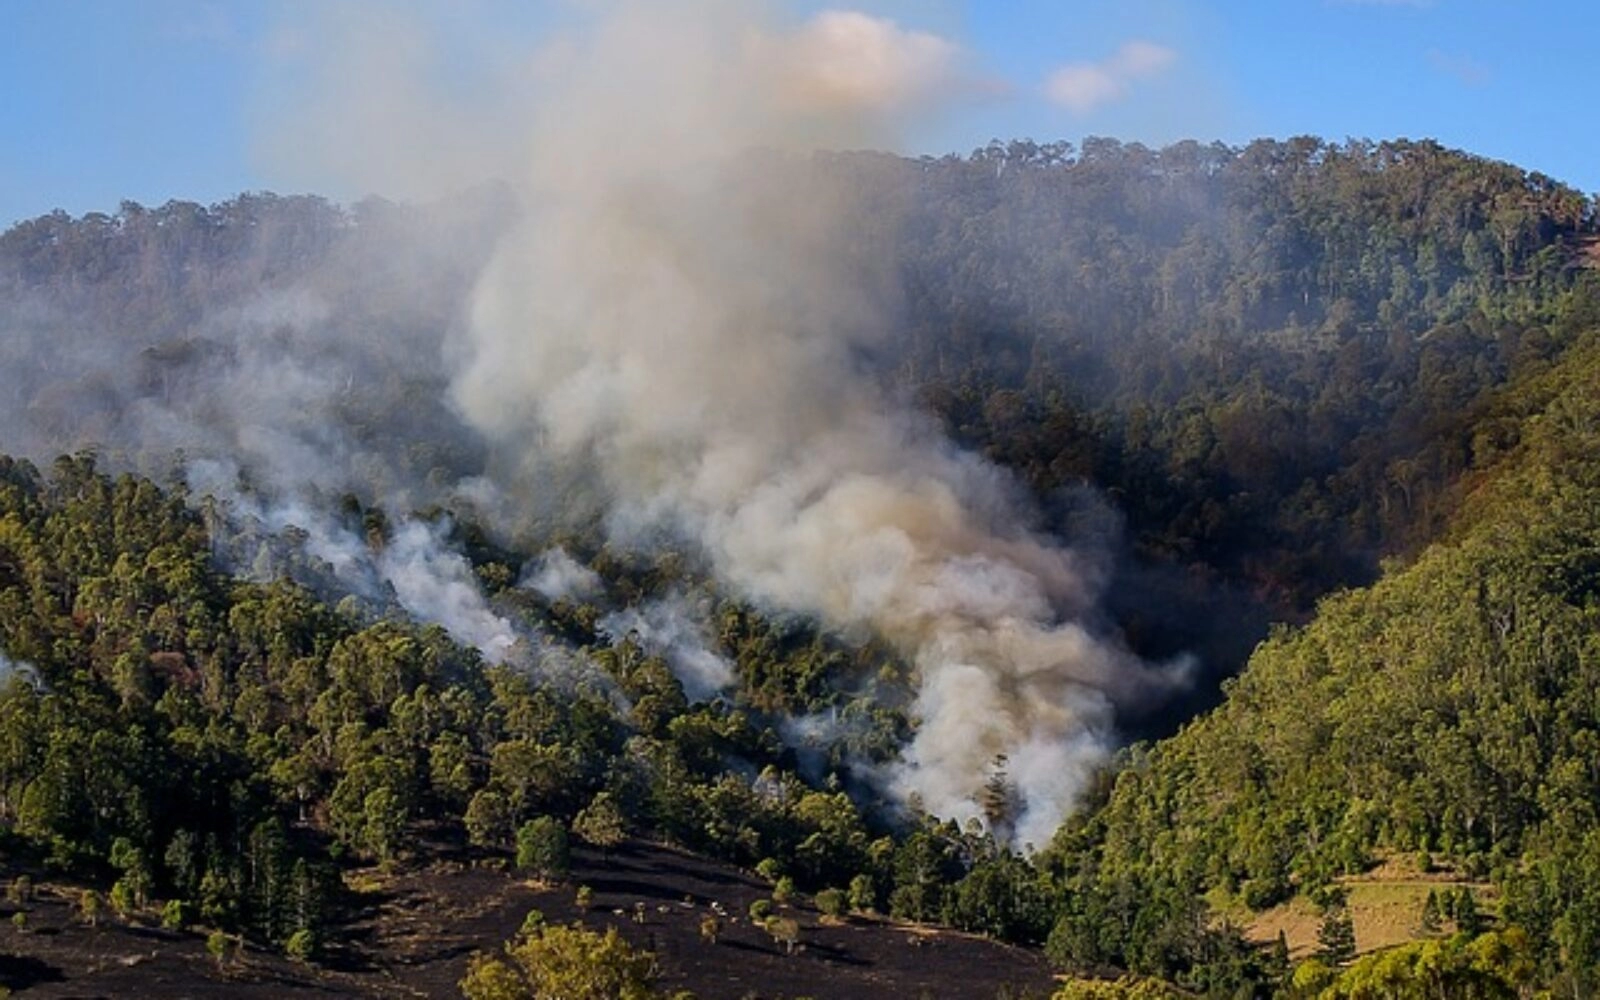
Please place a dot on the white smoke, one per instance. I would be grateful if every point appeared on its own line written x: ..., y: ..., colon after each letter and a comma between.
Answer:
x: 415, y: 566
x: 556, y: 576
x: 670, y: 628
x: 437, y: 584
x: 682, y: 312
x: 825, y: 740
x: 17, y: 670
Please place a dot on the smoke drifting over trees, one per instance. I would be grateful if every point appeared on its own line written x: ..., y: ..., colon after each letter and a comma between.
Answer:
x: 683, y: 313
x: 673, y: 313
x: 788, y: 494
x: 678, y: 308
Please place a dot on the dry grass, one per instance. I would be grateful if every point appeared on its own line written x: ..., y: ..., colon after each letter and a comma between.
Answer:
x: 1385, y: 907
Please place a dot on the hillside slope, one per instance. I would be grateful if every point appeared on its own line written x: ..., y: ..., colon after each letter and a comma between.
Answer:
x: 1232, y: 380
x: 1445, y: 713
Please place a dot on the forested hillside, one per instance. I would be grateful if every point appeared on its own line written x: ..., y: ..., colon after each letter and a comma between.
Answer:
x: 1267, y: 359
x: 285, y: 611
x: 1444, y: 714
x: 1264, y: 354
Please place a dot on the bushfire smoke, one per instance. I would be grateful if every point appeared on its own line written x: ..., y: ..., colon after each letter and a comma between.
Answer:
x: 680, y: 313
x: 679, y: 309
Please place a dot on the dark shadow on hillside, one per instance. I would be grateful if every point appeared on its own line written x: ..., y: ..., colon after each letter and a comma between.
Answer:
x: 1165, y: 613
x: 19, y: 972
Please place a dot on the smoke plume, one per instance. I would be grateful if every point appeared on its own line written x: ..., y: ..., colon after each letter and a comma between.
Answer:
x: 15, y: 670
x: 680, y: 309
x: 556, y: 576
x: 670, y: 628
x: 414, y: 568
x: 676, y: 294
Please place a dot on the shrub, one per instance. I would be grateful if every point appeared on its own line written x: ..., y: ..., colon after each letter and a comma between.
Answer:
x: 784, y: 890
x: 301, y: 946
x: 832, y: 902
x: 175, y: 914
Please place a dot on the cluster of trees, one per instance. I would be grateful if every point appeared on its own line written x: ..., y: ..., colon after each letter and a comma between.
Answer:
x: 1493, y: 966
x: 224, y: 746
x: 186, y: 328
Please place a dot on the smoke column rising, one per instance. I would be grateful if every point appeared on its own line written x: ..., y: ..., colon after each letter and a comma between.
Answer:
x: 680, y: 310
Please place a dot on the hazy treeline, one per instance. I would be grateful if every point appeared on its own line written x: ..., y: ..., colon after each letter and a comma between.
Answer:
x: 287, y: 335
x: 1282, y: 336
x: 1264, y: 354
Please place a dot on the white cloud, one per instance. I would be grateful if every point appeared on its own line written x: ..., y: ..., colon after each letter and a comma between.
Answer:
x: 849, y: 59
x: 1082, y: 87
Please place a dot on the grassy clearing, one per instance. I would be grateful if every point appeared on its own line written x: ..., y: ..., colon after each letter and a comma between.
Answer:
x: 1386, y: 911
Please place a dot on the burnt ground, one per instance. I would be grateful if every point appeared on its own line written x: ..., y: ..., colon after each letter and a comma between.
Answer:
x: 415, y: 928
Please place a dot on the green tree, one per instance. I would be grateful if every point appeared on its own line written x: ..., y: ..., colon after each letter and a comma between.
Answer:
x: 600, y: 823
x: 1429, y: 921
x: 783, y: 890
x: 1336, y: 936
x: 122, y: 899
x: 489, y: 818
x: 542, y: 848
x: 301, y: 946
x: 217, y: 947
x: 174, y: 915
x: 1468, y: 920
x: 383, y: 823
x: 863, y: 894
x: 89, y: 907
x: 1126, y: 988
x: 832, y: 902
x: 554, y: 962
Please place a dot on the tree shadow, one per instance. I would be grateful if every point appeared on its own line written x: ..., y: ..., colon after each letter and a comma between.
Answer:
x: 19, y: 972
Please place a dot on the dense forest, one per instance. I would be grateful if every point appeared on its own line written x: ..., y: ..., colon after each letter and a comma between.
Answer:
x: 1348, y: 388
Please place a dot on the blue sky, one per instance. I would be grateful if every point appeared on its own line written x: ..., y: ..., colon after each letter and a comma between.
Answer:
x: 102, y: 100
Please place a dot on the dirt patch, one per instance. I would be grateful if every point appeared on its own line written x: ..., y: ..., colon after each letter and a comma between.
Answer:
x: 857, y: 958
x: 414, y: 930
x: 56, y: 954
